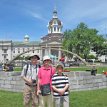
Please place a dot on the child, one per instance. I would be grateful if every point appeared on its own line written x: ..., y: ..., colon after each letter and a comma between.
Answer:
x: 60, y: 87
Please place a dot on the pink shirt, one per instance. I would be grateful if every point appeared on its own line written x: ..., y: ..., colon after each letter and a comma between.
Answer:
x: 45, y: 75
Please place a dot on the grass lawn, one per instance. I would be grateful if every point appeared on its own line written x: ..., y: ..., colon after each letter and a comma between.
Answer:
x: 17, y: 69
x: 100, y: 69
x: 95, y: 98
x: 10, y: 99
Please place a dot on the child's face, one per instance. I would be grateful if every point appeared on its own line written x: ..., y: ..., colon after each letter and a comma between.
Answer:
x: 59, y: 69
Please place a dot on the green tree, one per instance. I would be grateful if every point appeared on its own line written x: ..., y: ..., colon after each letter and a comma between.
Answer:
x: 82, y: 39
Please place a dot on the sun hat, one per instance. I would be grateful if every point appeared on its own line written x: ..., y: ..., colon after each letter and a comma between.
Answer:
x: 46, y: 58
x: 32, y: 55
x: 59, y: 64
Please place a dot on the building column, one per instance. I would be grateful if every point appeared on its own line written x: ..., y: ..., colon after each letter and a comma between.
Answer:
x: 59, y: 54
x: 49, y: 50
x: 46, y: 50
x: 41, y: 53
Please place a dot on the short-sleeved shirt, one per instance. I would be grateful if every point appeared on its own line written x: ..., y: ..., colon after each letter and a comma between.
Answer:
x: 32, y: 71
x: 59, y: 81
x: 45, y: 75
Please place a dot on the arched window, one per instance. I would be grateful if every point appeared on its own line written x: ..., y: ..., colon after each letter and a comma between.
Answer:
x: 54, y: 28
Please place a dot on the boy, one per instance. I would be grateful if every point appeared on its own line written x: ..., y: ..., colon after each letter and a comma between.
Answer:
x: 60, y: 87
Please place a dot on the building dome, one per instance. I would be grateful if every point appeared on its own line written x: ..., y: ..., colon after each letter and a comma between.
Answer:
x: 55, y: 25
x: 55, y: 21
x: 26, y: 36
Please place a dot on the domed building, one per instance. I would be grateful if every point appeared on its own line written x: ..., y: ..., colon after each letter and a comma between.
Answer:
x: 53, y: 40
x: 11, y: 49
x: 54, y: 37
x: 26, y: 38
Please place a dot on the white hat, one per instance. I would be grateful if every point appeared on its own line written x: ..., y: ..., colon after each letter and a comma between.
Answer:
x: 46, y: 57
x: 32, y: 55
x: 60, y: 64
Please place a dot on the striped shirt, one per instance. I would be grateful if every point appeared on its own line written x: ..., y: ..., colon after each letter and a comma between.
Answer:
x: 32, y: 71
x: 59, y: 81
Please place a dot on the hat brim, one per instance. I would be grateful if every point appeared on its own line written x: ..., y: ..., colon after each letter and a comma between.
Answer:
x: 60, y: 65
x: 47, y: 59
x: 38, y: 58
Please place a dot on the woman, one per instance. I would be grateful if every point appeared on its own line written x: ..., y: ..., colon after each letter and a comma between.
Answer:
x: 44, y: 83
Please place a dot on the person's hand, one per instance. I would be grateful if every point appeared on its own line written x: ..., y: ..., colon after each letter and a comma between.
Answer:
x: 61, y: 91
x: 38, y: 92
x: 30, y: 81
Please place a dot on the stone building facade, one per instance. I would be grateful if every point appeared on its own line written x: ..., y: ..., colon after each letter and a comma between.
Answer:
x: 10, y: 49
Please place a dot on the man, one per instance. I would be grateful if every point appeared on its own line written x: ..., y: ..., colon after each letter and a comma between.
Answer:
x: 94, y: 70
x: 44, y: 83
x: 60, y: 87
x: 62, y: 60
x: 29, y: 75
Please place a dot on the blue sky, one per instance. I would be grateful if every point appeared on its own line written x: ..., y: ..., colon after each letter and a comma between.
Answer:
x: 21, y: 17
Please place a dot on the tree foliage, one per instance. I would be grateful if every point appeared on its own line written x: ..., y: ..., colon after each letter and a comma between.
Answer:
x: 83, y: 39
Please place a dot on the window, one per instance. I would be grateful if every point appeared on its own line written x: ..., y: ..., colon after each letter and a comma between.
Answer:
x: 18, y: 50
x: 33, y: 50
x: 5, y: 50
x: 23, y: 49
x: 58, y: 29
x: 28, y: 49
x: 55, y: 22
x: 37, y: 51
x: 4, y: 56
x: 54, y: 28
x: 14, y: 50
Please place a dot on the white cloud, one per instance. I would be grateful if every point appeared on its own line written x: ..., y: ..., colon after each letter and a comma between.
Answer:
x: 37, y: 15
x: 83, y: 8
x: 92, y: 12
x: 70, y: 12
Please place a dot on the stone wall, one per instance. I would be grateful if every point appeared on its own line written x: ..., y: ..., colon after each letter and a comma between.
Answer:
x: 85, y: 81
x: 78, y: 81
x: 11, y: 81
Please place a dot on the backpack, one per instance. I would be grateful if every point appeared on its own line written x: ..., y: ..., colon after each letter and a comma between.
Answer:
x: 25, y: 73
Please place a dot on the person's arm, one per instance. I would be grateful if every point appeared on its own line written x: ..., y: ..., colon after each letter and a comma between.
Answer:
x: 65, y: 88
x: 53, y: 85
x: 55, y: 89
x: 29, y: 81
x: 38, y: 83
x: 38, y: 87
x: 53, y: 71
x: 62, y: 91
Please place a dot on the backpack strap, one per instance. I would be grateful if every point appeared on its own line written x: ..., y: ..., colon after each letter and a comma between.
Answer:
x: 27, y: 65
x: 51, y: 73
x: 39, y: 66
